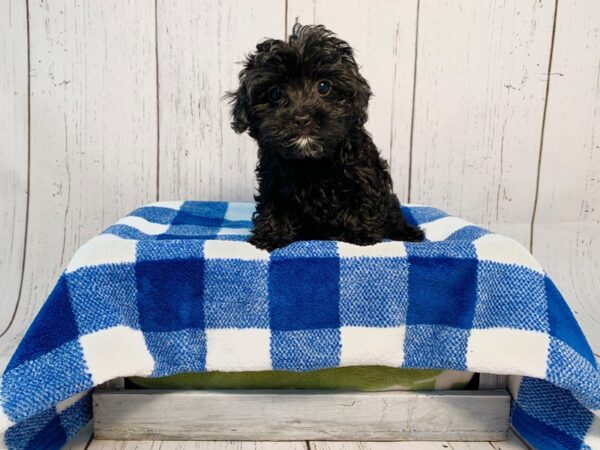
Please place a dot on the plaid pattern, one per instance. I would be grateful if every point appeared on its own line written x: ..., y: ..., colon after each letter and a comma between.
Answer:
x: 174, y: 287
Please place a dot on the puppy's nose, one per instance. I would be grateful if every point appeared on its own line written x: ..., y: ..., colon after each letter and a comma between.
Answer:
x: 303, y: 120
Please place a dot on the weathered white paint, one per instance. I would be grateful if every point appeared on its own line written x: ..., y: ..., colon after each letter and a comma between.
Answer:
x: 566, y: 235
x: 93, y: 131
x: 199, y: 47
x: 13, y: 153
x: 480, y: 94
x: 383, y: 36
x: 296, y: 415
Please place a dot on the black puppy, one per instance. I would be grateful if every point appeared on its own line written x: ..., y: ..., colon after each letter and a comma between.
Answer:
x: 319, y: 174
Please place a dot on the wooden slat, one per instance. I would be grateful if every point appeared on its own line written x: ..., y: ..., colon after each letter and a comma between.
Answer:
x: 491, y: 381
x: 470, y: 446
x: 383, y: 35
x: 566, y: 233
x: 188, y: 445
x: 422, y: 445
x: 292, y: 415
x: 93, y: 131
x: 199, y: 46
x: 478, y: 109
x: 512, y: 442
x: 13, y: 154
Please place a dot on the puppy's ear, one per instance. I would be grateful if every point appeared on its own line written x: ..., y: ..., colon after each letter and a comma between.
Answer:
x: 241, y: 102
x: 361, y: 91
x: 362, y: 94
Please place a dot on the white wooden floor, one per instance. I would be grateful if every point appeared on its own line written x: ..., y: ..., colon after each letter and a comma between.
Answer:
x: 86, y: 443
x: 513, y: 444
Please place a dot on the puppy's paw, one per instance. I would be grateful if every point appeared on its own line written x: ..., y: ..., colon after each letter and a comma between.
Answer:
x: 268, y: 243
x: 413, y: 234
x: 408, y: 233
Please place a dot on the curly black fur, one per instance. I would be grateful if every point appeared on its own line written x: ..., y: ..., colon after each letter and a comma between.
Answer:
x: 319, y: 174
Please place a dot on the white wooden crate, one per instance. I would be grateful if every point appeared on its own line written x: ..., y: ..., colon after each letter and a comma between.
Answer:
x: 277, y: 415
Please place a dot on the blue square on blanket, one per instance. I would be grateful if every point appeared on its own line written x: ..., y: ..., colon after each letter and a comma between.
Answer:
x: 101, y: 297
x: 421, y: 214
x: 149, y: 250
x: 539, y: 434
x: 563, y: 324
x: 566, y: 413
x: 442, y: 291
x: 128, y: 232
x: 373, y: 291
x: 304, y: 290
x: 44, y: 427
x: 201, y: 220
x: 566, y: 364
x: 63, y: 366
x: 170, y: 294
x: 435, y: 347
x: 235, y: 294
x: 76, y: 416
x: 441, y: 250
x: 469, y: 233
x: 177, y: 351
x: 305, y: 349
x: 156, y: 214
x: 510, y: 296
x: 201, y: 213
x: 54, y: 326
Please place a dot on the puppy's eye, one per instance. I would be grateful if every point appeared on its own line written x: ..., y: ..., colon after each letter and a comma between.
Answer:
x: 324, y: 87
x: 275, y: 94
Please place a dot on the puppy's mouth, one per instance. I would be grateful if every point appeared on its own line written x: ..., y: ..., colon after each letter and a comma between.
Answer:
x: 304, y: 142
x: 303, y: 147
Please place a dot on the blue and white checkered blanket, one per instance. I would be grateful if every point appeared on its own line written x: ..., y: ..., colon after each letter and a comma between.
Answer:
x: 173, y: 287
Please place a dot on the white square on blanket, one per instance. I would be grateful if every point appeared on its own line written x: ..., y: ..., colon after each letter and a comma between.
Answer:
x: 497, y: 248
x: 5, y: 422
x: 239, y: 211
x: 103, y: 249
x: 376, y: 346
x: 139, y: 223
x: 440, y: 229
x: 233, y: 231
x: 508, y: 351
x: 388, y: 249
x: 169, y: 204
x: 66, y: 404
x: 238, y: 349
x: 233, y: 250
x: 116, y: 352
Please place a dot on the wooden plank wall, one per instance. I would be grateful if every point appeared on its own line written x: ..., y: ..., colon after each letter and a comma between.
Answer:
x: 490, y: 110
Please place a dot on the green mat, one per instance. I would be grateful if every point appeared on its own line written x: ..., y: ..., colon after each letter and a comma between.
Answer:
x: 359, y: 378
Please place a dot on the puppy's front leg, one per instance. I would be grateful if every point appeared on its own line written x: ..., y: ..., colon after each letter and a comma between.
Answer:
x: 271, y: 231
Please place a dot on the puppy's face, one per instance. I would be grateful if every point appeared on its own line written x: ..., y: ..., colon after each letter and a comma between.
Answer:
x: 301, y: 97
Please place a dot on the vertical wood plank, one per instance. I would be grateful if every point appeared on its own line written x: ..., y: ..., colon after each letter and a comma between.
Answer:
x: 383, y: 36
x: 199, y: 46
x: 566, y: 232
x: 480, y: 90
x: 93, y: 130
x: 13, y: 153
